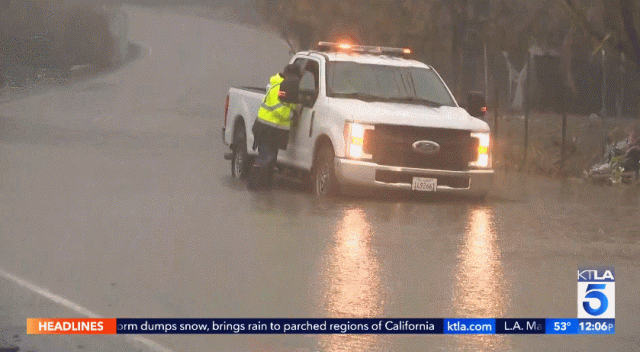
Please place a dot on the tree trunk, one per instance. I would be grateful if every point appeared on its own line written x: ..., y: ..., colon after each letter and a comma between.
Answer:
x: 626, y: 11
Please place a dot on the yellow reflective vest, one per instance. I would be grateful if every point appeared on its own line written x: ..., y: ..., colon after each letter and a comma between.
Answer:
x: 273, y: 112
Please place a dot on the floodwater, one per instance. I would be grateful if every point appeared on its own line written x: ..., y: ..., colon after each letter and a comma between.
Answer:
x: 114, y: 195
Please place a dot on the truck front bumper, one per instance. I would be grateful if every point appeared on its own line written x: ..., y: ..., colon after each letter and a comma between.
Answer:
x: 363, y: 173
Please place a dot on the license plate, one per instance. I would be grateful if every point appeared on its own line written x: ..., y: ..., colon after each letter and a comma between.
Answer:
x: 424, y: 184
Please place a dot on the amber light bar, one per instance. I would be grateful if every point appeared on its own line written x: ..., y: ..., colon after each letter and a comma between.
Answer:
x: 379, y: 50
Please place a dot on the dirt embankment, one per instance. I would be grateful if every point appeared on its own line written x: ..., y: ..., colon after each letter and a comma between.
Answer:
x: 52, y: 41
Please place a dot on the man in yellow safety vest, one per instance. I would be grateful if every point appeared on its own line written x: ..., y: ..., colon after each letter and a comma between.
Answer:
x: 271, y: 129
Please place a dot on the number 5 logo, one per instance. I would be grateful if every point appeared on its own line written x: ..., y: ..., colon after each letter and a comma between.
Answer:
x: 595, y: 291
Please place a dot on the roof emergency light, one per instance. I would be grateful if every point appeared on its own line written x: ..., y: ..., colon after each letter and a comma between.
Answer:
x: 364, y: 49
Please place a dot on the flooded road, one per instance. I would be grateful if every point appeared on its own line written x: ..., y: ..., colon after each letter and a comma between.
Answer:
x: 114, y: 195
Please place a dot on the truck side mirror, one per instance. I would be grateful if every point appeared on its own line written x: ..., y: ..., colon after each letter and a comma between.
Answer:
x: 477, y: 105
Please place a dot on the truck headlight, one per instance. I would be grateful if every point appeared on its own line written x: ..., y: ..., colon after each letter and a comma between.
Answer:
x: 483, y: 160
x: 354, y: 140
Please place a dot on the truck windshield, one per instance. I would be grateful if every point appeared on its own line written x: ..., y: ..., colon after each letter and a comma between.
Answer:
x: 412, y: 85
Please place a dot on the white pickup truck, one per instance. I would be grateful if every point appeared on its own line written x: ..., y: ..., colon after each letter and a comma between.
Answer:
x: 370, y: 117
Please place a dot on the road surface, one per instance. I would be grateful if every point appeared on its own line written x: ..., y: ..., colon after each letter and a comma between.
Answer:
x: 115, y: 201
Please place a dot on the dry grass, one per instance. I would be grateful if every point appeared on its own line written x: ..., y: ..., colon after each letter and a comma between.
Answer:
x: 585, y: 138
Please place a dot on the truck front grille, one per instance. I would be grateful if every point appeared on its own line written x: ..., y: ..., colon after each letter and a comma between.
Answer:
x: 392, y: 145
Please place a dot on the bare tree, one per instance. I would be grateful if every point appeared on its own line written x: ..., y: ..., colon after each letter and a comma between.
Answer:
x: 622, y: 34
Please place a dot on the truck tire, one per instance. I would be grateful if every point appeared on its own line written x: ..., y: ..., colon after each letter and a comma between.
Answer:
x: 324, y: 181
x: 241, y: 161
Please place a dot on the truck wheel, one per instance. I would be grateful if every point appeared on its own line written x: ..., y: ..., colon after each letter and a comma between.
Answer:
x: 241, y: 161
x: 325, y: 183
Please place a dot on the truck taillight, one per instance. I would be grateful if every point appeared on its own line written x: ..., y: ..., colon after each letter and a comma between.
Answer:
x: 226, y: 110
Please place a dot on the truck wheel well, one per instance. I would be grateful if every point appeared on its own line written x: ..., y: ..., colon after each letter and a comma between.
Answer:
x: 321, y: 142
x: 239, y: 121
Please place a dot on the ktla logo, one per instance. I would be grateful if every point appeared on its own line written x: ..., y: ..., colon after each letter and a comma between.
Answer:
x: 596, y: 293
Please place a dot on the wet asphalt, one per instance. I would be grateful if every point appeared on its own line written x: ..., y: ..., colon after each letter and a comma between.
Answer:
x: 114, y: 194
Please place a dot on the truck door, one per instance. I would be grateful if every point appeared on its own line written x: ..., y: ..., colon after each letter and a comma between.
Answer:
x: 299, y: 151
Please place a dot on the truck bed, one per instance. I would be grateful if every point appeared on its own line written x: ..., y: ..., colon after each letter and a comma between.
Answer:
x: 244, y: 103
x: 253, y: 89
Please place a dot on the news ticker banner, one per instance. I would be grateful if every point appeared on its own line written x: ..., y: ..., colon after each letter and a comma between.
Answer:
x: 596, y: 315
x: 416, y: 326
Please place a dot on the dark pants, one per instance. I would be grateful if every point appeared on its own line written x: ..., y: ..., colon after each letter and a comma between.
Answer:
x: 268, y: 140
x: 262, y: 173
x: 267, y: 156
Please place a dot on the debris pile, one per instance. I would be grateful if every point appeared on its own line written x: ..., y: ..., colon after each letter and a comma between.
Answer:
x: 621, y: 161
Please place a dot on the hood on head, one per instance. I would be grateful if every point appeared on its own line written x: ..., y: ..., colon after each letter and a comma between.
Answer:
x: 276, y: 79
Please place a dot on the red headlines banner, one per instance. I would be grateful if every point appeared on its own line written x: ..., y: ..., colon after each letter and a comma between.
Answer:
x: 66, y: 326
x: 413, y: 326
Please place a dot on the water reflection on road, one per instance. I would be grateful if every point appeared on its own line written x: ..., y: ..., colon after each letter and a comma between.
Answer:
x: 480, y: 285
x: 352, y: 282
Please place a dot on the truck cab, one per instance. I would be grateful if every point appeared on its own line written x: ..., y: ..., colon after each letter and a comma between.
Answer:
x: 372, y: 117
